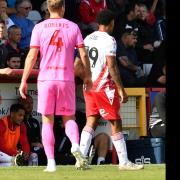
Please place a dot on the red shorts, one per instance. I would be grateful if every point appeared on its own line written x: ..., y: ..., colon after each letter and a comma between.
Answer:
x: 56, y: 97
x: 105, y: 103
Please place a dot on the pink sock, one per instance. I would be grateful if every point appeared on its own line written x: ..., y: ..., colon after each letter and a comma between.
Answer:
x: 72, y: 131
x: 48, y: 139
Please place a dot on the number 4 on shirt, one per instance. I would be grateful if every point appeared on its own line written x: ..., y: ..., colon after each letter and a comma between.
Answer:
x: 57, y: 42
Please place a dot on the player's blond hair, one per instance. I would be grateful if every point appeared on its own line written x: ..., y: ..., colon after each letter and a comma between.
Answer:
x: 54, y: 5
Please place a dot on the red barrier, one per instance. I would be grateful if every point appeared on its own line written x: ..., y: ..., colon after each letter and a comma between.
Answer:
x: 16, y: 75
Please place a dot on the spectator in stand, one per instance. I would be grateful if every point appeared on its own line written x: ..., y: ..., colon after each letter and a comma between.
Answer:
x: 127, y: 19
x: 20, y: 19
x: 3, y: 69
x: 13, y: 130
x: 148, y: 15
x: 147, y: 36
x: 3, y: 14
x: 33, y: 130
x: 88, y: 10
x: 13, y: 61
x: 3, y: 50
x: 129, y: 66
x: 14, y: 37
x: 13, y: 43
x: 154, y: 6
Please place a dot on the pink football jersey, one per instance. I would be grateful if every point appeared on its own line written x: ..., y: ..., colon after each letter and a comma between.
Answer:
x: 57, y: 39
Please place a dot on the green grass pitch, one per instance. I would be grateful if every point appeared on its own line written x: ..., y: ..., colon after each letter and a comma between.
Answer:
x: 103, y: 172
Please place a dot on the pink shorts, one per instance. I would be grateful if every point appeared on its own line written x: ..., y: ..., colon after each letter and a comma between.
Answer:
x: 56, y: 97
x: 98, y: 103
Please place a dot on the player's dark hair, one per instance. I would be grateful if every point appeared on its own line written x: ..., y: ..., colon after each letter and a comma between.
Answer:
x: 105, y: 17
x: 16, y: 107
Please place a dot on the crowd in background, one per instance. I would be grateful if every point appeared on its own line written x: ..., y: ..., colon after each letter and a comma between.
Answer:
x: 140, y: 32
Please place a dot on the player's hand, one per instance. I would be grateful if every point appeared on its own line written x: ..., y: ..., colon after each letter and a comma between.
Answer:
x: 148, y: 47
x: 23, y: 89
x: 8, y: 71
x: 162, y: 79
x: 87, y: 84
x: 123, y: 96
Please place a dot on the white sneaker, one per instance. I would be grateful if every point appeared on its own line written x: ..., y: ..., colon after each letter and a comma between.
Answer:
x: 51, y: 166
x: 50, y: 169
x: 81, y: 162
x: 131, y: 166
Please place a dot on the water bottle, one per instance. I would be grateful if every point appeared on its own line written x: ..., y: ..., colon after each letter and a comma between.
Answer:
x: 33, y: 159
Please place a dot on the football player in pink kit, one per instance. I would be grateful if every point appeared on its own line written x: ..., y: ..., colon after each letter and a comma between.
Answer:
x: 103, y: 99
x: 56, y: 38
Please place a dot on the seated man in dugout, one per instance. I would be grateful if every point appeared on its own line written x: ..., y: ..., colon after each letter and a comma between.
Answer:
x: 13, y: 131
